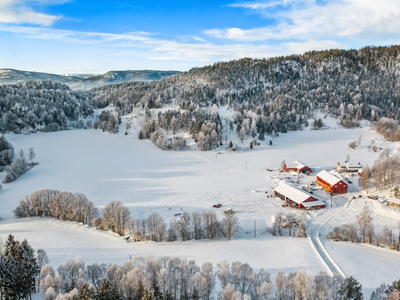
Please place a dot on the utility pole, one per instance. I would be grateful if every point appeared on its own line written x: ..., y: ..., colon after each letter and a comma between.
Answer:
x: 331, y: 199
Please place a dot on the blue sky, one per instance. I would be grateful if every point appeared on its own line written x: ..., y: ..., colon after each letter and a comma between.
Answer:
x: 81, y: 36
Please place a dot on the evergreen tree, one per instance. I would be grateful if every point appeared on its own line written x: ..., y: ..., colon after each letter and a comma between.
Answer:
x: 148, y: 296
x: 230, y: 144
x: 86, y: 293
x: 351, y: 289
x: 270, y: 142
x: 195, y: 295
x: 251, y: 145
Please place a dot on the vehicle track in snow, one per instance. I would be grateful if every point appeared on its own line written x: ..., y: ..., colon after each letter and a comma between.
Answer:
x: 314, y: 234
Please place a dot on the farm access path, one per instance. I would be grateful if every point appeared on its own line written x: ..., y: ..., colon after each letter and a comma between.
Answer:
x: 317, y: 222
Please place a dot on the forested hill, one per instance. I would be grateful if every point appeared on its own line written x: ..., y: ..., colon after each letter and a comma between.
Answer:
x: 269, y: 95
x: 41, y: 105
x: 347, y: 83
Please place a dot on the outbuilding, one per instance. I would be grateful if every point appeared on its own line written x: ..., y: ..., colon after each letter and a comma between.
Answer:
x: 395, y: 203
x: 292, y: 195
x: 298, y: 167
x: 331, y: 183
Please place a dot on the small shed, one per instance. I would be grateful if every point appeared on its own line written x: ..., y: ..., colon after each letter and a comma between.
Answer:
x: 393, y: 202
x: 298, y: 167
x: 291, y: 195
x: 331, y: 183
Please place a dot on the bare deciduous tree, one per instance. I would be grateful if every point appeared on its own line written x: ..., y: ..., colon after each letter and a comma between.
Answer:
x: 364, y: 221
x: 230, y: 225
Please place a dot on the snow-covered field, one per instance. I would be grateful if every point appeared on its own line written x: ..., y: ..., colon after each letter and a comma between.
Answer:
x: 116, y: 167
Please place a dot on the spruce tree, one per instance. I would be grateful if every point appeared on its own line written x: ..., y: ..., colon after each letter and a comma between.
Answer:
x: 351, y: 289
x: 148, y: 296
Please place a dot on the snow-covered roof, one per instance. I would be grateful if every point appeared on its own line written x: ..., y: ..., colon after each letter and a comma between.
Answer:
x: 292, y: 192
x: 394, y: 200
x: 328, y: 177
x: 300, y: 164
x: 297, y: 164
x: 313, y: 203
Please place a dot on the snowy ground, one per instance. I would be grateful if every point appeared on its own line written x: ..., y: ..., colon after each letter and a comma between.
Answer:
x: 116, y: 167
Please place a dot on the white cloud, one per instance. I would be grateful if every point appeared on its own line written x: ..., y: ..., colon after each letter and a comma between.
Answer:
x: 18, y: 12
x: 143, y: 44
x: 331, y: 19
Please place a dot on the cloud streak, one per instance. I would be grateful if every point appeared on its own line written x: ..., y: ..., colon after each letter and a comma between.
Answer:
x: 146, y: 45
x: 332, y: 19
x: 17, y: 12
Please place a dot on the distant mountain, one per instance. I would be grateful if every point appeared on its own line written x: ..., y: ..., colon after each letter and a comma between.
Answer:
x: 81, y: 76
x: 125, y: 76
x: 8, y: 76
x: 83, y: 81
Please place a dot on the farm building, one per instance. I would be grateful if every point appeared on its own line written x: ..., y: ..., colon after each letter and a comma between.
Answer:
x: 331, y: 183
x: 348, y: 167
x: 298, y: 167
x: 292, y: 195
x: 395, y: 203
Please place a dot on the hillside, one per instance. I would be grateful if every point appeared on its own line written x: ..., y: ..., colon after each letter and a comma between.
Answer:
x: 83, y: 81
x: 11, y: 76
x: 268, y: 95
x: 113, y: 77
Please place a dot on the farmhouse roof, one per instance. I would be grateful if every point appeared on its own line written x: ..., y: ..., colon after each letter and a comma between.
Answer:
x: 300, y: 165
x: 292, y: 192
x: 297, y: 164
x: 328, y: 177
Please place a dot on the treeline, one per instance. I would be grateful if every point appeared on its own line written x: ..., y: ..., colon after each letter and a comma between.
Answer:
x: 65, y: 206
x: 363, y: 231
x: 185, y: 227
x: 18, y: 167
x: 205, y: 128
x: 116, y: 217
x: 172, y: 278
x: 41, y: 106
x: 289, y: 224
x: 389, y: 129
x: 23, y: 272
x: 385, y: 172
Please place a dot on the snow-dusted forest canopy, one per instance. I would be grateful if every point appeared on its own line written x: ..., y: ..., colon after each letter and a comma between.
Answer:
x: 269, y: 95
x: 41, y: 105
x: 277, y: 94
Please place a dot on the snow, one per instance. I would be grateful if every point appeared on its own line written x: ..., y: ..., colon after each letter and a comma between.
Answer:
x: 328, y: 177
x: 109, y: 167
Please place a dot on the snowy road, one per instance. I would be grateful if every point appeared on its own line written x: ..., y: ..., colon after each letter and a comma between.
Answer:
x: 317, y: 222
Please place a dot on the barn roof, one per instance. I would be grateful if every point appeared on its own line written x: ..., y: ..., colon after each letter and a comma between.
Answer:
x: 328, y: 177
x: 292, y: 192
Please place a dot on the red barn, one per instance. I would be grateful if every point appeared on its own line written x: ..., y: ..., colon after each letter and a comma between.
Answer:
x: 293, y: 195
x: 331, y: 183
x: 298, y: 167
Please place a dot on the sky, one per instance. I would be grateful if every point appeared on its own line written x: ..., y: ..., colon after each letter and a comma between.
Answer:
x: 96, y: 36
